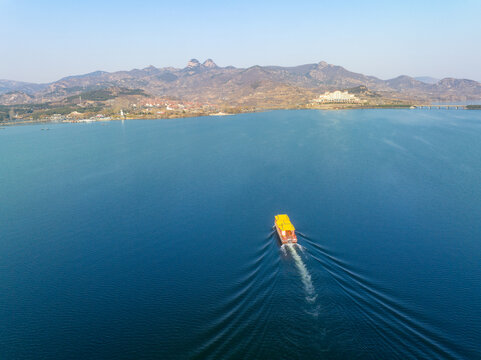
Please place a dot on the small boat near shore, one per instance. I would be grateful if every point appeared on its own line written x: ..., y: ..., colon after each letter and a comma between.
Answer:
x: 285, y: 229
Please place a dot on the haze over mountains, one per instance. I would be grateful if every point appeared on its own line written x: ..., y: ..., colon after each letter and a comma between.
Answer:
x: 208, y: 82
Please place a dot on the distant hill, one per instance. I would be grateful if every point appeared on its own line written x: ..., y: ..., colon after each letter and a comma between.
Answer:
x: 427, y: 79
x: 11, y: 86
x: 208, y: 82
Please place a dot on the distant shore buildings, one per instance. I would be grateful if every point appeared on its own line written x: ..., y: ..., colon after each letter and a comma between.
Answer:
x: 337, y: 97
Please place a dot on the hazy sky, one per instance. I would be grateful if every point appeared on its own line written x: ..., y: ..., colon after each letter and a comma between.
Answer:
x: 42, y: 41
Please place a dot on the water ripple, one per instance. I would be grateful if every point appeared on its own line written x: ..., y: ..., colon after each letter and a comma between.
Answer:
x: 400, y: 328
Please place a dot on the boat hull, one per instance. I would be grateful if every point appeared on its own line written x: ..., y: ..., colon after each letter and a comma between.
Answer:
x: 292, y: 239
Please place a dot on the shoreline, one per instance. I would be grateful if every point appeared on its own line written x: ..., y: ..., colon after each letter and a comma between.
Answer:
x: 330, y: 107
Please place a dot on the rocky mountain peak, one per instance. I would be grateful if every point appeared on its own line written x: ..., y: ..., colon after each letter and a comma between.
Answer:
x: 150, y: 69
x: 193, y: 63
x: 209, y: 63
x: 323, y: 64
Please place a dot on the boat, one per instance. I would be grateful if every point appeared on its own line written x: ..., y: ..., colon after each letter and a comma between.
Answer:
x: 285, y: 229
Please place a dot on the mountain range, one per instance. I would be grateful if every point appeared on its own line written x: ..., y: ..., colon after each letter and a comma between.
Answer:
x: 207, y: 82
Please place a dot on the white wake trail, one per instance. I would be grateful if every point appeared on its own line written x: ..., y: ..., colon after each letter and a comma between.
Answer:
x: 305, y: 276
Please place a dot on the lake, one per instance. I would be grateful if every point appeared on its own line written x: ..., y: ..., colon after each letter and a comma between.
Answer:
x: 154, y: 238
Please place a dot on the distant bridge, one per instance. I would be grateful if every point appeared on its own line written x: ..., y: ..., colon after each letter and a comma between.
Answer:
x: 441, y: 106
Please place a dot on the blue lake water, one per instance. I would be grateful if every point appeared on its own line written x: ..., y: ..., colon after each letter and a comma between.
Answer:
x: 153, y: 239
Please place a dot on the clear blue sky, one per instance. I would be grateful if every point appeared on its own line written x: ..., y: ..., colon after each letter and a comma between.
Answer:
x: 43, y: 41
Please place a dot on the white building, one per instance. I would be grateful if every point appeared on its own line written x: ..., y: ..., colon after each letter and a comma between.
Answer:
x: 337, y: 97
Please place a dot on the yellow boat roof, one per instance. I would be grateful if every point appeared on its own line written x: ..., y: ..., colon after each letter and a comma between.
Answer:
x: 284, y: 223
